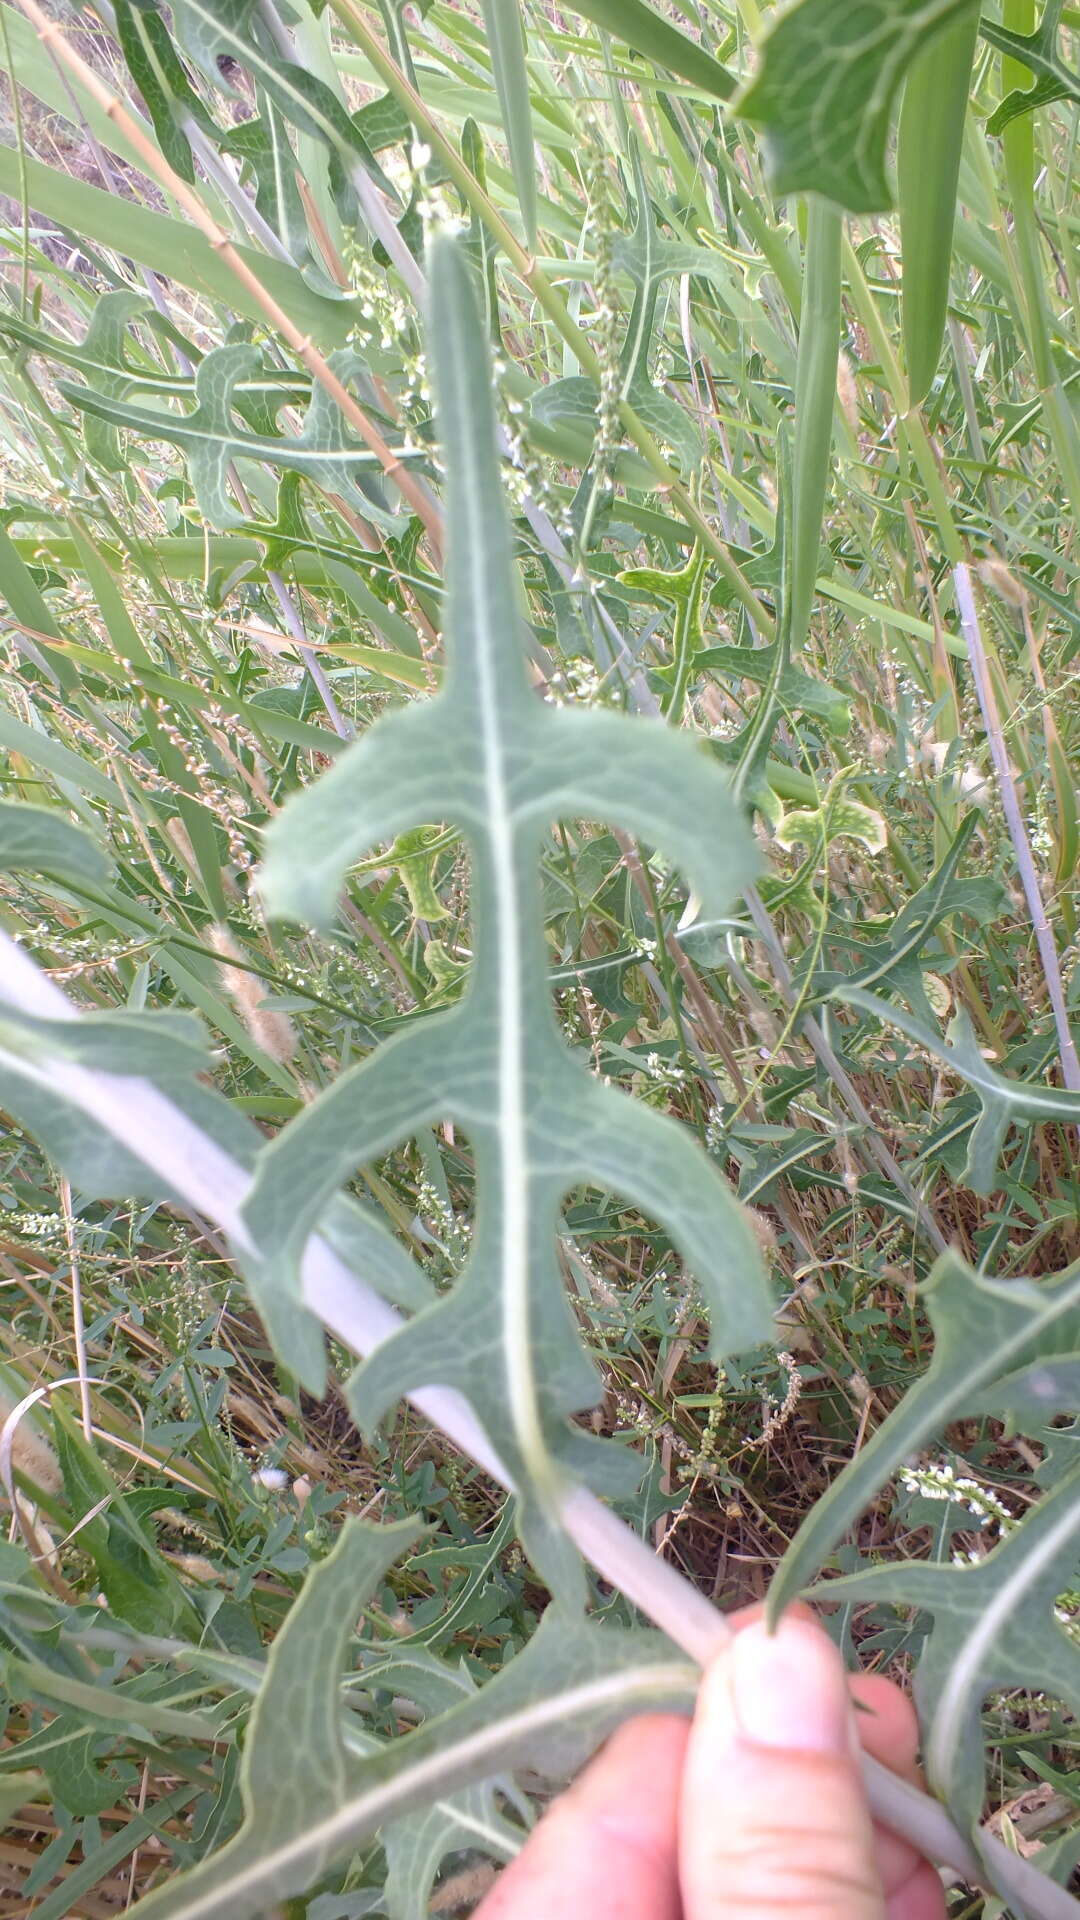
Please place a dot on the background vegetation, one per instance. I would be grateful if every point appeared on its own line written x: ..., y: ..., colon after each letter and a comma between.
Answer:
x: 800, y: 486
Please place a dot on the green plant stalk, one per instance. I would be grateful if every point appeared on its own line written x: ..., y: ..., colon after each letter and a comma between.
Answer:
x: 506, y: 43
x: 815, y: 406
x: 1061, y: 180
x: 20, y: 147
x: 552, y: 304
x: 750, y: 15
x: 918, y: 440
x: 929, y: 143
x: 1018, y: 141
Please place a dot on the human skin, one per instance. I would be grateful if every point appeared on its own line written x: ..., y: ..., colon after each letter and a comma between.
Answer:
x: 753, y: 1811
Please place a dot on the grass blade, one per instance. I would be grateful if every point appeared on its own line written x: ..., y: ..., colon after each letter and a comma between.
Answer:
x: 928, y: 151
x: 506, y: 39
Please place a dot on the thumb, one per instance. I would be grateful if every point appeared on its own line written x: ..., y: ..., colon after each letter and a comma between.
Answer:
x: 773, y: 1817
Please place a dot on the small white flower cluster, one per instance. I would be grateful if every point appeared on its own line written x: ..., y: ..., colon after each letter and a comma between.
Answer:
x: 603, y: 324
x: 577, y: 682
x: 215, y: 794
x: 212, y: 787
x: 79, y: 952
x: 939, y: 1480
x: 379, y: 304
x: 46, y: 1227
x: 450, y: 1233
x: 777, y: 1413
x: 704, y: 1465
x: 913, y: 695
x: 663, y: 367
x: 635, y: 1416
x: 664, y: 1072
x: 526, y: 475
x: 1040, y: 832
x: 579, y: 1017
x: 435, y: 208
x: 192, y: 1304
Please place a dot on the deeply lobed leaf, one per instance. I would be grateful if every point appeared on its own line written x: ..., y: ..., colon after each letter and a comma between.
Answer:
x: 490, y: 757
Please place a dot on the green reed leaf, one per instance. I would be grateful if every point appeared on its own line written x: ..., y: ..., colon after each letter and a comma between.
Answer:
x: 647, y: 32
x: 815, y: 407
x: 506, y: 43
x: 170, y: 246
x: 41, y: 839
x: 929, y: 144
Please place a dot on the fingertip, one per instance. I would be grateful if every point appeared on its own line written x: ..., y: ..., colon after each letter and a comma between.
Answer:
x: 887, y: 1726
x: 750, y: 1616
x: 650, y: 1747
x: 773, y: 1816
x: 789, y: 1688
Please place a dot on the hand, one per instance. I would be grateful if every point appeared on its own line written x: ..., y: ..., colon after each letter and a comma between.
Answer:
x: 755, y: 1811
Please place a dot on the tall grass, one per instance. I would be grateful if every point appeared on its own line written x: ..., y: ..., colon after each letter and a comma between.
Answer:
x: 796, y: 483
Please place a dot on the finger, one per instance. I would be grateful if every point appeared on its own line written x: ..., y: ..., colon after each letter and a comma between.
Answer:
x: 922, y: 1897
x: 889, y: 1730
x: 749, y: 1616
x: 773, y: 1818
x: 606, y: 1848
x: 887, y: 1724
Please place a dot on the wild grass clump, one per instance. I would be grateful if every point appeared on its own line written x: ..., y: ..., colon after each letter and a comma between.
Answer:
x: 493, y: 523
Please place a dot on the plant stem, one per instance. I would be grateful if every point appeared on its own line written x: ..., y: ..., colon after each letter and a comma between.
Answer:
x: 77, y: 1318
x: 1025, y: 859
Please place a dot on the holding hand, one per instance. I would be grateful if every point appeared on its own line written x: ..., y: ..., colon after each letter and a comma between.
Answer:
x: 754, y: 1811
